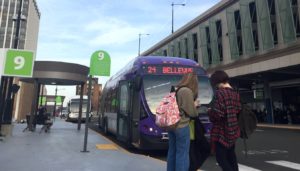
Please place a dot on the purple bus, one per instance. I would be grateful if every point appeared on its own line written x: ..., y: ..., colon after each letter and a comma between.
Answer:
x: 130, y: 97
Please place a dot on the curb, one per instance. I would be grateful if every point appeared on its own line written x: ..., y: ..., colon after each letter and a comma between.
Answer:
x: 279, y: 126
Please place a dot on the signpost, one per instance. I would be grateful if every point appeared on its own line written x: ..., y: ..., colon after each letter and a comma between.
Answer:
x: 18, y: 63
x: 99, y: 66
x: 13, y: 63
x: 100, y: 63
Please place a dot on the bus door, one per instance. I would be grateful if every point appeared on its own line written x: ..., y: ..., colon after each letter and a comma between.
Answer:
x: 135, y: 118
x: 123, y: 118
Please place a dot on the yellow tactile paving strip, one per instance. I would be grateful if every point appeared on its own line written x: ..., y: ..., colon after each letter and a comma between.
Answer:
x: 106, y: 147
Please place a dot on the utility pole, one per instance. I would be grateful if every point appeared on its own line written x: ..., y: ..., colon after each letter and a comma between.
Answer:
x: 54, y: 110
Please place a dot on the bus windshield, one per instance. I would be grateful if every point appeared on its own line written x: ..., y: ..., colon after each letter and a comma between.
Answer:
x: 157, y: 86
x: 74, y: 105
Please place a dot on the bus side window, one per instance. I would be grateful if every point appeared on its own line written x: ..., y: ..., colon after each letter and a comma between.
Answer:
x: 114, y: 101
x: 105, y: 104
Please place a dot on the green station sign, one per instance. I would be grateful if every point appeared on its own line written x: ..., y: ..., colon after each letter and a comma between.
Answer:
x: 100, y: 63
x: 18, y: 63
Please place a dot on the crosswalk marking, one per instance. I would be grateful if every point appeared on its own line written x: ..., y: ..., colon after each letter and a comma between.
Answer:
x: 286, y: 164
x: 273, y: 164
x: 282, y: 163
x: 247, y: 168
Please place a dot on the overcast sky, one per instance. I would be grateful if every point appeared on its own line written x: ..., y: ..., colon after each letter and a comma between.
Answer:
x: 71, y: 30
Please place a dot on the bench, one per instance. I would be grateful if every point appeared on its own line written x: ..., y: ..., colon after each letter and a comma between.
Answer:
x: 39, y: 120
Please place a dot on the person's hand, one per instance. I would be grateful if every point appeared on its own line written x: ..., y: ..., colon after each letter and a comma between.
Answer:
x: 197, y: 103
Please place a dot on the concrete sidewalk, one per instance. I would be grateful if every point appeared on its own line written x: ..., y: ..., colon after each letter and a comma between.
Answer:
x: 60, y: 150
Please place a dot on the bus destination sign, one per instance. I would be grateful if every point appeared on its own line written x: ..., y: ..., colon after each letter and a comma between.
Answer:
x: 167, y: 69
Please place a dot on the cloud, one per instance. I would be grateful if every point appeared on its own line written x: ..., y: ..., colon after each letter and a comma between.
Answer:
x: 112, y: 31
x: 73, y: 30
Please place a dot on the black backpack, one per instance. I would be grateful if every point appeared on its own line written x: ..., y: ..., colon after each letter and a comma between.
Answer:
x: 247, y: 121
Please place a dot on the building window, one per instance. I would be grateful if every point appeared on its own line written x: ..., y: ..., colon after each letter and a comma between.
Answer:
x: 237, y: 19
x: 296, y: 16
x: 271, y: 5
x: 195, y: 47
x: 219, y: 35
x: 165, y: 52
x: 179, y: 49
x: 208, y: 45
x: 114, y: 101
x: 253, y: 16
x: 172, y: 50
x: 186, y: 48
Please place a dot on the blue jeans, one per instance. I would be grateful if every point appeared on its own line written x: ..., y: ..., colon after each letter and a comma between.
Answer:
x: 179, y: 146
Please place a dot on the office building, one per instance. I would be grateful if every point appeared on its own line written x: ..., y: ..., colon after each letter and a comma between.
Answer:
x: 28, y: 37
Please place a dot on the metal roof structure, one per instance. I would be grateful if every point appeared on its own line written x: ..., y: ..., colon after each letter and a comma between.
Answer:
x: 58, y: 73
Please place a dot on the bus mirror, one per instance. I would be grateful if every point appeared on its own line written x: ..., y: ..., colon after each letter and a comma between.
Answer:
x: 137, y: 82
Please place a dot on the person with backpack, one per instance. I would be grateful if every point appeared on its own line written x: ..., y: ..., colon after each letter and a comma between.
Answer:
x: 224, y: 116
x: 199, y: 146
x: 179, y: 138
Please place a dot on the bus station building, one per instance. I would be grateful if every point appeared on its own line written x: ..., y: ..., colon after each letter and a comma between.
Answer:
x: 257, y: 43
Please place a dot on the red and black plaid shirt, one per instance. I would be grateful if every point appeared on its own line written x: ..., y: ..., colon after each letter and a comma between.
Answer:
x: 223, y: 115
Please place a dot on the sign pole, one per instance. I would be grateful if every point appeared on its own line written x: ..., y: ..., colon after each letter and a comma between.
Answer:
x: 99, y: 65
x: 87, y: 115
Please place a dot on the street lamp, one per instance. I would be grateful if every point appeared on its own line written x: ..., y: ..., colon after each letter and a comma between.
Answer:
x: 173, y: 14
x: 140, y: 34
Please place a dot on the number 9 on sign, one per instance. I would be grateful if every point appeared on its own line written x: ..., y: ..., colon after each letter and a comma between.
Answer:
x: 19, y: 62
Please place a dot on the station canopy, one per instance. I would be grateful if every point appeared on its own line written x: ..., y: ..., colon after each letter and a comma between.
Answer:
x: 58, y: 73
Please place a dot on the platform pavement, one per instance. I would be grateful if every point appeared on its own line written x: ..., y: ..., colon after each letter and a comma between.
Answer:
x: 60, y: 150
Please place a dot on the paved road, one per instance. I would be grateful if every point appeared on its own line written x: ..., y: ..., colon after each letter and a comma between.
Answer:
x: 269, y: 149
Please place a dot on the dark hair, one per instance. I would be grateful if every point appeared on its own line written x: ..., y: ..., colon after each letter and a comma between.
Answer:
x: 219, y: 77
x: 190, y: 80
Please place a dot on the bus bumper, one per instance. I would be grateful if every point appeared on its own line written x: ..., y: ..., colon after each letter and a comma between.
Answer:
x: 153, y: 143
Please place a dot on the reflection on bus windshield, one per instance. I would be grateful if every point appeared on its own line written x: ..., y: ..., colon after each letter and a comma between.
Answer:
x: 74, y: 105
x: 156, y: 87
